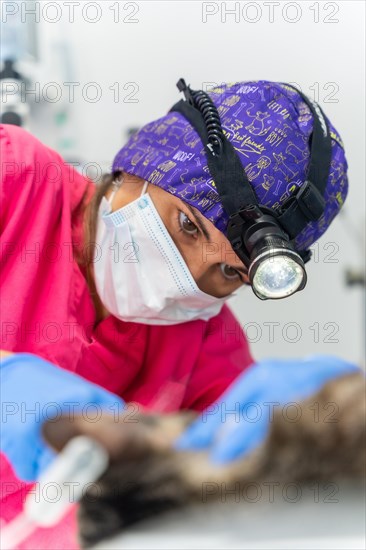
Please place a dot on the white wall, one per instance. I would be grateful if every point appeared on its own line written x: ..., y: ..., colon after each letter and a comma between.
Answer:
x: 170, y: 40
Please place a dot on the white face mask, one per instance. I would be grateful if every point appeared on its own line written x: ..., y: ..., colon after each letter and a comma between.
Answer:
x: 139, y: 272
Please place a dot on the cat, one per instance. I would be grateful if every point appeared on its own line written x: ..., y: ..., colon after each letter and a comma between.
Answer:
x: 147, y: 476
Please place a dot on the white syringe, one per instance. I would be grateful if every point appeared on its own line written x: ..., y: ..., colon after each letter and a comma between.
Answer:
x: 81, y: 462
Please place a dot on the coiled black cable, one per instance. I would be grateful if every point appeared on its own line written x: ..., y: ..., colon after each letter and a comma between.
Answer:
x: 202, y: 101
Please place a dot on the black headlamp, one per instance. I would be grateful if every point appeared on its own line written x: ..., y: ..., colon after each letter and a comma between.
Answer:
x: 263, y: 238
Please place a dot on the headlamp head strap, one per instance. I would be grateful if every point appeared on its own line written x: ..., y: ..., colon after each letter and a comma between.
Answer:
x: 233, y: 186
x: 223, y: 162
x: 308, y: 204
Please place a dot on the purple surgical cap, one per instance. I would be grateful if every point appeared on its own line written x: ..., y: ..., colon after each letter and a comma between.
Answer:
x: 270, y: 127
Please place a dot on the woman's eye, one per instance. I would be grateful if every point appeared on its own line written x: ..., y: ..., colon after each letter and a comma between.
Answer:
x: 187, y: 225
x: 229, y: 272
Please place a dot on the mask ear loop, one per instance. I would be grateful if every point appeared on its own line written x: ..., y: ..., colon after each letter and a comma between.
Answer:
x: 116, y: 184
x: 144, y: 188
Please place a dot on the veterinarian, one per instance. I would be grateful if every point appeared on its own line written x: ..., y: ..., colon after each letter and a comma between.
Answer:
x: 116, y: 293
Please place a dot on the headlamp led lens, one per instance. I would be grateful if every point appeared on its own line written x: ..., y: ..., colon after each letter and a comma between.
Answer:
x: 278, y: 276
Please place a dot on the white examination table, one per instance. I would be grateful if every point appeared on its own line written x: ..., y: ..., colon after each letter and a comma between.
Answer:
x: 317, y: 519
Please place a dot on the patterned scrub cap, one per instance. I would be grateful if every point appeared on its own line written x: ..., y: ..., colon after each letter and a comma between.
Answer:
x: 268, y: 124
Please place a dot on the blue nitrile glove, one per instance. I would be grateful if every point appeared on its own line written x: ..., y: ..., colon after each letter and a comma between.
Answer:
x: 34, y: 390
x: 240, y: 420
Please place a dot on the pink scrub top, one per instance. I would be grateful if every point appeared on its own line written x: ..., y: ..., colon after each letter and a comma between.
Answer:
x: 46, y: 309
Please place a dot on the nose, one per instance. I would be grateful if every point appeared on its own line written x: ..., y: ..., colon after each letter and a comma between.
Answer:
x: 204, y: 268
x: 219, y: 252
